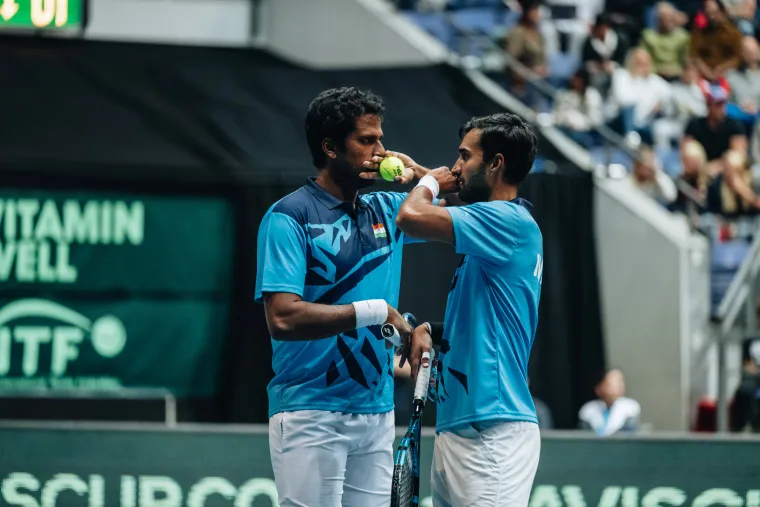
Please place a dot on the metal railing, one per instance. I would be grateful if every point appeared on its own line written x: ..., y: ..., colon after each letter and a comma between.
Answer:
x: 739, y: 299
x: 123, y: 393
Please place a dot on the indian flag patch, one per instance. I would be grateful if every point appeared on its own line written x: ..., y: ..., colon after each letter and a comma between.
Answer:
x: 379, y: 230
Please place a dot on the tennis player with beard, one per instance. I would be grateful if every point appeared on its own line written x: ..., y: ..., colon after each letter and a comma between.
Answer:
x: 487, y: 442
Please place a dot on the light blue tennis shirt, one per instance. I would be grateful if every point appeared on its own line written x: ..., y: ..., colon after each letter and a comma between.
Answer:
x: 491, y: 316
x: 314, y: 245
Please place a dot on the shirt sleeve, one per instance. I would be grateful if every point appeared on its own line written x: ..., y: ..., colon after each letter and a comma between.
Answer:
x: 393, y: 201
x: 488, y: 231
x: 281, y: 256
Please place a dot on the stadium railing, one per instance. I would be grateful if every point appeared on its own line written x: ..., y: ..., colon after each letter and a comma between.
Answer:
x: 133, y: 394
x: 740, y: 300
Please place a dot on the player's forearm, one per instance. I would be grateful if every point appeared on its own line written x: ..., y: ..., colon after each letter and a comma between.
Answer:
x: 291, y: 319
x: 311, y: 321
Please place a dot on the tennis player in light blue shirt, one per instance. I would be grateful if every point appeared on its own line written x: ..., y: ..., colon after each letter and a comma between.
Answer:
x: 487, y: 444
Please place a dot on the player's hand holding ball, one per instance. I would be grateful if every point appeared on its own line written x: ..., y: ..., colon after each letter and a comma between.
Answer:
x: 394, y: 166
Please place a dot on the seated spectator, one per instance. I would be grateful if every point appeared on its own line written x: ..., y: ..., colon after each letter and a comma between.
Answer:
x: 742, y: 13
x: 716, y: 132
x: 745, y: 84
x: 687, y: 101
x: 603, y: 52
x: 745, y: 410
x: 648, y: 177
x: 693, y: 174
x: 639, y: 95
x: 626, y: 17
x: 526, y: 44
x: 716, y: 47
x: 544, y: 415
x: 668, y: 45
x: 579, y: 109
x: 611, y: 412
x: 725, y: 144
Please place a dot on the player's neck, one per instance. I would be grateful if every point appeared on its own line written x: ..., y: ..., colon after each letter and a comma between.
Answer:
x: 338, y: 191
x: 503, y: 192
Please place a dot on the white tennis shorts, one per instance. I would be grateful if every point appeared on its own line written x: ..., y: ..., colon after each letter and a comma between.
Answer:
x: 491, y: 466
x: 331, y: 459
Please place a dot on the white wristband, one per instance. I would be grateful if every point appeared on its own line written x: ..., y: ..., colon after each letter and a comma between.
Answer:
x: 370, y: 312
x: 431, y: 183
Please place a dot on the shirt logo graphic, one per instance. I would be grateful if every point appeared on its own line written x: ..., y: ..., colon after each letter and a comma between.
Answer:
x: 328, y: 240
x: 379, y: 230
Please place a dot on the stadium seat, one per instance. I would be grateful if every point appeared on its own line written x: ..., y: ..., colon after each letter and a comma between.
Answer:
x: 727, y: 257
x: 670, y: 160
x: 562, y: 66
x: 436, y: 24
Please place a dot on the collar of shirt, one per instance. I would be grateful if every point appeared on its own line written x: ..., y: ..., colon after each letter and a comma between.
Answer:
x: 326, y: 198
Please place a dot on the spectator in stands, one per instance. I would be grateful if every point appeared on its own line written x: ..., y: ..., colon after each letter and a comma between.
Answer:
x: 687, y: 101
x: 668, y: 44
x: 603, y: 52
x: 525, y: 42
x: 716, y: 47
x: 626, y: 17
x: 745, y: 84
x: 544, y: 415
x: 716, y: 132
x: 579, y: 109
x: 745, y: 409
x: 648, y: 177
x: 639, y: 95
x: 693, y: 174
x: 742, y: 12
x: 611, y: 412
x: 725, y: 144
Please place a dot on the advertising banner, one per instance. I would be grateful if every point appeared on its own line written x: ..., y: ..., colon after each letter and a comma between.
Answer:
x: 197, y: 468
x: 103, y: 292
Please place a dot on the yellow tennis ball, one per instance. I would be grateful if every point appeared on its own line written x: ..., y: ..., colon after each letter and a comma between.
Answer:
x: 391, y: 167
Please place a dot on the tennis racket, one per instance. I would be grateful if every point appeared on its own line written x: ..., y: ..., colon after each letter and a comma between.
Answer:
x: 405, y: 490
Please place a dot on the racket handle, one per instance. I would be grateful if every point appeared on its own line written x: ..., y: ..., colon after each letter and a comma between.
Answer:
x: 390, y: 332
x: 423, y: 377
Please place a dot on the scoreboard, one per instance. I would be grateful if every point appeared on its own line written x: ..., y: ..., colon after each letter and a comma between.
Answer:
x: 42, y: 14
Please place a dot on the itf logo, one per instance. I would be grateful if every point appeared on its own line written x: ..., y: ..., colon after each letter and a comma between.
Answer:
x: 33, y: 329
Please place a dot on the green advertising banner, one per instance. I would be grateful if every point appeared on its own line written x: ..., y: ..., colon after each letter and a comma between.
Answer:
x: 41, y: 14
x: 106, y: 292
x: 111, y: 345
x: 229, y: 466
x: 86, y: 242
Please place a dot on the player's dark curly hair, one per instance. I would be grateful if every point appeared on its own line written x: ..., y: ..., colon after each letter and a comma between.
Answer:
x: 332, y: 114
x: 510, y: 135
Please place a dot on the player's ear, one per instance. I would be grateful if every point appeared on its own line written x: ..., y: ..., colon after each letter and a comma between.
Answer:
x: 328, y: 147
x: 497, y: 163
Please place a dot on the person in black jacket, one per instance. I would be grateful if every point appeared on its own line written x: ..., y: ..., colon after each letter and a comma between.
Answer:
x: 745, y: 410
x: 605, y: 49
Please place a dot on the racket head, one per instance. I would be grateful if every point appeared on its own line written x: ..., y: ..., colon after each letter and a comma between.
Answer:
x: 406, y: 468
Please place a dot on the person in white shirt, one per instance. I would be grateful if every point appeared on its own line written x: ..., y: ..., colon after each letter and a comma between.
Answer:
x: 579, y: 109
x: 638, y: 94
x: 611, y: 412
x: 648, y: 177
x: 687, y: 101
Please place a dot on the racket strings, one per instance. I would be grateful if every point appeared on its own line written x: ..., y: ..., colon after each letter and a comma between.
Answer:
x: 403, y: 489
